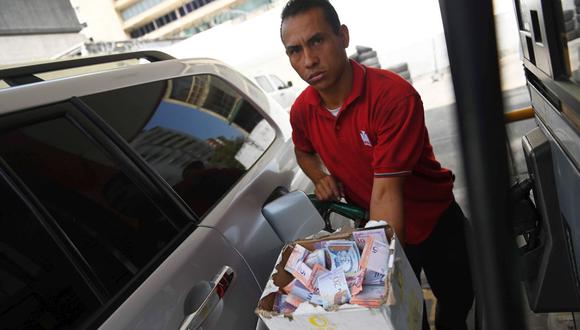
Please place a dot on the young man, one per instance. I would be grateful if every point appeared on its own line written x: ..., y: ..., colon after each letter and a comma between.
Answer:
x: 366, y: 126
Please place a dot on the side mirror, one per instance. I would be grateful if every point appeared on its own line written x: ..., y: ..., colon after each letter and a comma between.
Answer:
x: 293, y: 216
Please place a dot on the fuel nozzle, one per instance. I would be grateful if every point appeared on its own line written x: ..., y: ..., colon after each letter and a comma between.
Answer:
x: 359, y: 215
x: 525, y: 216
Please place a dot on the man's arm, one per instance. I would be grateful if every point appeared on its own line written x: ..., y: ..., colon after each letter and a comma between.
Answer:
x: 387, y: 203
x: 326, y: 187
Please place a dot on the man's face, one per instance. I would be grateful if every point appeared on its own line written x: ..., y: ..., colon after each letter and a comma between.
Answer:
x: 316, y: 53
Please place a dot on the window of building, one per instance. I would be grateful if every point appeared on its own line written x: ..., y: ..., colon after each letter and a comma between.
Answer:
x: 138, y: 8
x: 160, y: 21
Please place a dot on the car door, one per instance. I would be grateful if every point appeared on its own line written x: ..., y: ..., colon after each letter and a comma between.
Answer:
x: 106, y: 243
x: 216, y: 151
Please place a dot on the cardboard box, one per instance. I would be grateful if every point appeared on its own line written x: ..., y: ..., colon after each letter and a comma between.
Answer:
x: 402, y: 307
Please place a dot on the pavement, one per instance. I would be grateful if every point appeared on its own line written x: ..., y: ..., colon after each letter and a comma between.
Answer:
x: 436, y: 88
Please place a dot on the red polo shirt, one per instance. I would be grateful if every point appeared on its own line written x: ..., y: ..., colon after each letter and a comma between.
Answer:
x: 379, y: 131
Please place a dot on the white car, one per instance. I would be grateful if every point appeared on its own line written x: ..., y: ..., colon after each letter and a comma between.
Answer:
x: 132, y: 196
x: 280, y: 91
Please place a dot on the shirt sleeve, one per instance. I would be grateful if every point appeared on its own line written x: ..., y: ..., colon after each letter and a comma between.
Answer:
x: 400, y: 135
x: 299, y: 129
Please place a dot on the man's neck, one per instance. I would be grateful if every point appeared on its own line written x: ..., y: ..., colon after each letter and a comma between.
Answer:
x: 336, y: 96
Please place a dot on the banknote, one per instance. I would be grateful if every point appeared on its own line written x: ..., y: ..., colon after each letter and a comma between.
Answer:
x: 355, y: 283
x: 281, y: 304
x: 295, y: 288
x: 294, y: 300
x: 361, y: 236
x: 373, y: 278
x: 303, y: 273
x: 299, y: 254
x: 316, y: 257
x: 317, y: 270
x: 370, y: 296
x: 296, y: 266
x: 343, y: 254
x: 375, y: 256
x: 334, y: 288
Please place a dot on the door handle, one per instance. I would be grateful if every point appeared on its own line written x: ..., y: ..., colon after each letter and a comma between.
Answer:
x: 219, y: 285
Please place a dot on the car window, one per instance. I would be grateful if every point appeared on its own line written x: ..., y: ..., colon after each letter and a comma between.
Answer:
x: 265, y: 84
x: 277, y: 82
x: 113, y: 224
x: 197, y: 132
x: 39, y: 287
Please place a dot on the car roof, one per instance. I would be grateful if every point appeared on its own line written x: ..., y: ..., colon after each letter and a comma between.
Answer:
x: 35, y: 93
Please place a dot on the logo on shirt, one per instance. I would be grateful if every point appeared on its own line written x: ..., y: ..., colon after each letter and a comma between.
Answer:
x: 365, y: 139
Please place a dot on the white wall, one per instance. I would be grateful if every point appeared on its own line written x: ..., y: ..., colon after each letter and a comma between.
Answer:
x: 103, y: 22
x: 401, y: 31
x: 28, y: 48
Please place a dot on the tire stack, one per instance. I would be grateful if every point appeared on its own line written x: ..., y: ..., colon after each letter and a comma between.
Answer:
x: 366, y: 56
x: 572, y: 22
x: 402, y: 69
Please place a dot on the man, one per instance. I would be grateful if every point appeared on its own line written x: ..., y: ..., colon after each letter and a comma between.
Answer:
x: 366, y: 126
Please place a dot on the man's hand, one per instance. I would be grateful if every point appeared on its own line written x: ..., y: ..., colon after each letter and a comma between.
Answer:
x: 328, y: 189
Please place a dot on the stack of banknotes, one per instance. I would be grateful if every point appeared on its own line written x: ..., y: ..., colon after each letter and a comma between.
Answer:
x: 337, y: 272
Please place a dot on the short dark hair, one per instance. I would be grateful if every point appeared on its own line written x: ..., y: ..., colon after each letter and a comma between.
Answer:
x: 295, y: 7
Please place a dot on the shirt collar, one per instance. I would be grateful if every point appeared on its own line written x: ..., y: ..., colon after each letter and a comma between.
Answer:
x: 358, y: 76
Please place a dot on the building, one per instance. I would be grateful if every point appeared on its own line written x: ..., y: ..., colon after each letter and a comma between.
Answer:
x: 34, y: 30
x: 162, y: 19
x: 101, y: 21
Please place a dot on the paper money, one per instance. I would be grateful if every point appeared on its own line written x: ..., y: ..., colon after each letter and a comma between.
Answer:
x: 317, y: 270
x: 361, y: 236
x: 299, y: 254
x: 343, y: 254
x: 375, y: 256
x: 373, y: 278
x: 370, y: 296
x: 294, y: 300
x: 355, y: 283
x: 281, y: 305
x: 295, y: 288
x: 316, y: 257
x: 303, y: 273
x: 334, y: 288
x: 296, y: 266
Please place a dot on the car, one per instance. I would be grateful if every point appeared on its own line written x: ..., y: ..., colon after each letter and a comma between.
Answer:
x: 133, y: 187
x: 283, y: 93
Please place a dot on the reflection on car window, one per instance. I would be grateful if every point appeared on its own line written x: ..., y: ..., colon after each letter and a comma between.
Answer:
x: 200, y: 134
x: 39, y: 287
x: 265, y: 84
x: 116, y: 228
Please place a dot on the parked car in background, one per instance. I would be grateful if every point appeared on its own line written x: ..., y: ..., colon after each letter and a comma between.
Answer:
x: 280, y: 91
x: 132, y: 194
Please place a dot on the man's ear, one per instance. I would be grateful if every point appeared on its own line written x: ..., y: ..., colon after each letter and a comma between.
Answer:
x: 344, y: 36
